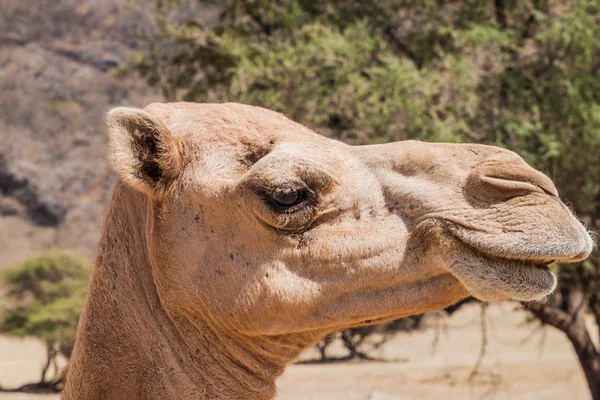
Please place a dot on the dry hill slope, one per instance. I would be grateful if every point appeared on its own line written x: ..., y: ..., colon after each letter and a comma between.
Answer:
x: 55, y: 87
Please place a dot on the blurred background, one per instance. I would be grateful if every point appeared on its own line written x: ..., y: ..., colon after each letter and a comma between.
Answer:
x: 524, y: 75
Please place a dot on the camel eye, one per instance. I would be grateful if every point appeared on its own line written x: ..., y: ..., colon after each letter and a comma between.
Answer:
x: 286, y: 200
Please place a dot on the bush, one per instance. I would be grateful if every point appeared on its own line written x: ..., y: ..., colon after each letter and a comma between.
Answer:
x: 44, y: 298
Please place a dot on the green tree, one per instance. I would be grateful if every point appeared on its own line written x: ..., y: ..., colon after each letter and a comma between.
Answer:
x: 45, y: 295
x: 518, y: 74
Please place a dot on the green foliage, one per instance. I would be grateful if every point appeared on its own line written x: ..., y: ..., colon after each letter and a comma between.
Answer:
x: 334, y: 66
x: 45, y: 295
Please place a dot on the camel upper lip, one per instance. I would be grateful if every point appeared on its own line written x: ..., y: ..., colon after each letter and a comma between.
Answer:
x: 539, y: 260
x: 573, y: 249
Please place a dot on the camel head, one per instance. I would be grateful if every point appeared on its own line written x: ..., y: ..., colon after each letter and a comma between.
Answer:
x: 258, y: 225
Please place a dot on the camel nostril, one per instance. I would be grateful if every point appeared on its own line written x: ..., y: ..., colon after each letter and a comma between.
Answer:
x: 522, y: 185
x: 506, y: 178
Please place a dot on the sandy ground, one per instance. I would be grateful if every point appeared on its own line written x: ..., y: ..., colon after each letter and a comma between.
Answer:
x: 520, y: 363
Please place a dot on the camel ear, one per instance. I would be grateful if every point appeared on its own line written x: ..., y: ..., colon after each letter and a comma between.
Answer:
x: 142, y: 150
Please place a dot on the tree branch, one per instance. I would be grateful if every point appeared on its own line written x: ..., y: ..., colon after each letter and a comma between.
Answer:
x: 571, y: 325
x: 500, y: 13
x: 550, y: 315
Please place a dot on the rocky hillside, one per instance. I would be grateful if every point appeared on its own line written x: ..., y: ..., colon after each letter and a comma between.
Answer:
x: 57, y: 59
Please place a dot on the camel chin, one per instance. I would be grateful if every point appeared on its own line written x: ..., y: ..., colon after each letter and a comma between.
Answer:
x: 494, y: 279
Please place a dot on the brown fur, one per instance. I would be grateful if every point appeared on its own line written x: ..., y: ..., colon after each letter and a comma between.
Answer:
x: 204, y: 290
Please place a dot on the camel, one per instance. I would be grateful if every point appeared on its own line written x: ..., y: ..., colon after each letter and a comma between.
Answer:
x: 236, y: 238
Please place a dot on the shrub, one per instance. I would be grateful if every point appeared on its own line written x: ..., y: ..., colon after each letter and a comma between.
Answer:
x: 44, y: 298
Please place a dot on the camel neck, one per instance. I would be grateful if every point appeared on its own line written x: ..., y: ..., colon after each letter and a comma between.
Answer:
x: 129, y: 347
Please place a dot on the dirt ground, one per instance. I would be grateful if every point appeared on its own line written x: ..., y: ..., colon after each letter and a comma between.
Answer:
x: 521, y: 362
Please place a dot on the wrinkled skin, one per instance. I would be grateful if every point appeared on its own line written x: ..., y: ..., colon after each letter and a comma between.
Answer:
x: 207, y: 285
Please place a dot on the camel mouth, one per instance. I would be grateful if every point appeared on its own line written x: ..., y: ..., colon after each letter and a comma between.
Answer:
x: 492, y: 278
x: 508, y: 258
x: 513, y: 263
x: 537, y: 229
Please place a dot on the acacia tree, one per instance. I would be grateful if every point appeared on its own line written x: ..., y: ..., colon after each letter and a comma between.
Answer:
x: 519, y: 74
x: 45, y: 295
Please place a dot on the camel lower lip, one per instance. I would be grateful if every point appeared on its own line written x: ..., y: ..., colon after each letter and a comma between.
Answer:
x: 491, y: 278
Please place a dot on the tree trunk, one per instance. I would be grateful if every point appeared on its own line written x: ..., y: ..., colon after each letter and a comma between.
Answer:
x: 50, y: 355
x: 591, y: 369
x: 46, y: 366
x: 573, y: 325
